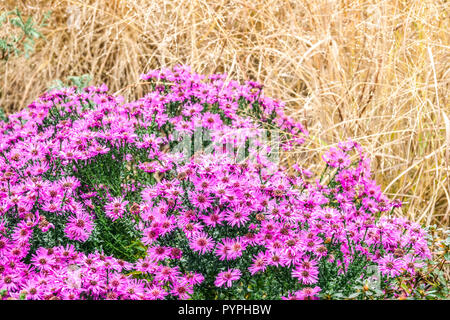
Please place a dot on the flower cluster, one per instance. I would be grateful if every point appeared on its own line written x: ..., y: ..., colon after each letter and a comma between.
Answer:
x: 106, y: 199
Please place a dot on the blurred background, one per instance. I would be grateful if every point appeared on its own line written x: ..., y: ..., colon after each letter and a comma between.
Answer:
x: 374, y: 71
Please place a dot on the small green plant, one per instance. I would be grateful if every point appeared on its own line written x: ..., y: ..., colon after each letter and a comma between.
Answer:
x: 22, y: 42
x: 3, y: 116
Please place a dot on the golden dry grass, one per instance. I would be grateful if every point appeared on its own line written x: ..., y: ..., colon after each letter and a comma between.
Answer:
x: 376, y: 71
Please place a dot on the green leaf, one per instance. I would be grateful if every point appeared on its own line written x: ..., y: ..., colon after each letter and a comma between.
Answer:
x: 3, y: 116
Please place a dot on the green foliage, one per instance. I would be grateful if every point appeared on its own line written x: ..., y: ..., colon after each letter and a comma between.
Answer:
x: 3, y: 116
x: 24, y: 41
x: 432, y: 283
x: 79, y: 82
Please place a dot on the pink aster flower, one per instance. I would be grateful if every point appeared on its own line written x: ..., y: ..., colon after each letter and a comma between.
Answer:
x: 259, y: 263
x: 201, y: 242
x: 134, y: 289
x: 200, y: 200
x: 291, y: 296
x: 33, y: 290
x: 237, y: 217
x: 336, y: 158
x: 227, y: 277
x: 150, y: 235
x: 155, y: 292
x: 190, y: 228
x: 9, y: 282
x: 307, y: 263
x: 391, y: 266
x: 274, y: 258
x: 412, y: 264
x: 306, y: 276
x: 145, y: 265
x: 42, y: 260
x: 182, y: 289
x: 184, y: 127
x: 69, y: 184
x: 94, y: 283
x: 22, y: 235
x: 158, y: 253
x: 116, y: 208
x: 194, y: 278
x: 223, y: 249
x: 166, y: 274
x: 213, y: 219
x: 310, y: 293
x: 211, y: 121
x: 79, y: 226
x: 307, y: 293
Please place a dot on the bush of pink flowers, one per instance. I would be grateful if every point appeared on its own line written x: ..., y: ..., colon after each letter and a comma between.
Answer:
x: 178, y: 195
